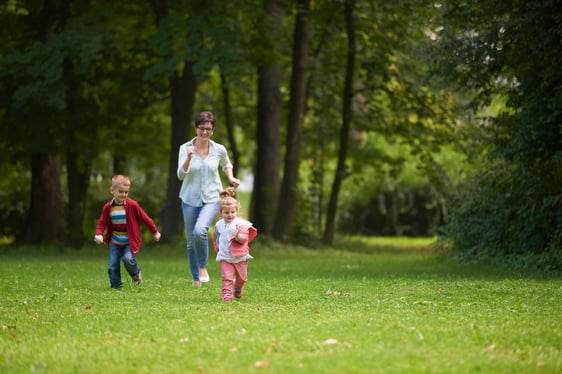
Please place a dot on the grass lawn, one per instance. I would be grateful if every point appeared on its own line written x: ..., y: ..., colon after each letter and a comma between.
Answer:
x: 365, y: 306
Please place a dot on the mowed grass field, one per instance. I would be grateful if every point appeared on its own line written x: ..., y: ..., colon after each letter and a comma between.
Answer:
x: 364, y: 306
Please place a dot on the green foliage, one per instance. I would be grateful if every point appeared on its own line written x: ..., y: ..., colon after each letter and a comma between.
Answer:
x: 510, y: 209
x: 327, y: 310
x: 400, y: 194
x: 14, y: 196
x: 507, y: 221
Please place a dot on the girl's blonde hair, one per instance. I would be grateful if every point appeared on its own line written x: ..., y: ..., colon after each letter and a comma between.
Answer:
x: 228, y: 200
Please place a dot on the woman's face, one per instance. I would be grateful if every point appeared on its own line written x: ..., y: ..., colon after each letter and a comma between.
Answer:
x: 205, y: 130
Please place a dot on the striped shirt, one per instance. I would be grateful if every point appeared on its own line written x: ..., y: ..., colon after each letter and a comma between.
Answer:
x: 119, y: 223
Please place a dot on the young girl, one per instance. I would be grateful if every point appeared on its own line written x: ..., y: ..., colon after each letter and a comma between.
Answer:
x: 230, y: 240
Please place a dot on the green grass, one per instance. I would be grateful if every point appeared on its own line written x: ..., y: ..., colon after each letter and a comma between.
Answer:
x: 367, y: 306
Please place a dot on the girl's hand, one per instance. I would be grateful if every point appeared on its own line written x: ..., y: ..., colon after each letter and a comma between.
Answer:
x: 235, y: 182
x: 98, y: 239
x: 239, y: 236
x: 156, y: 236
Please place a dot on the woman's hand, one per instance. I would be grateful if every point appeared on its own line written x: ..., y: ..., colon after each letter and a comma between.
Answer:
x: 235, y: 182
x: 190, y: 151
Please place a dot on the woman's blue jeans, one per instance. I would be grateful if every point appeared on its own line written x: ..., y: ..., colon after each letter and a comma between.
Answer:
x: 197, y: 221
x: 116, y: 254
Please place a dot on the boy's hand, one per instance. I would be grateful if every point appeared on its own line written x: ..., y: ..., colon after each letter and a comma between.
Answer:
x: 156, y: 236
x: 98, y: 239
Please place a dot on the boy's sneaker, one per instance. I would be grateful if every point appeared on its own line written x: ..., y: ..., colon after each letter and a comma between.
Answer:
x: 137, y: 279
x: 237, y: 293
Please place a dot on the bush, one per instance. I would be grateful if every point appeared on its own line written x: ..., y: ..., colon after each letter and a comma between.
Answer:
x: 508, y: 215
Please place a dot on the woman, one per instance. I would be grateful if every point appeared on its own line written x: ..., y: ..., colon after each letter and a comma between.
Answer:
x: 198, y: 169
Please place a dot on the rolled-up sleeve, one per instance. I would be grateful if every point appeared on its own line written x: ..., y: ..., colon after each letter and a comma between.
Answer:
x: 182, y: 156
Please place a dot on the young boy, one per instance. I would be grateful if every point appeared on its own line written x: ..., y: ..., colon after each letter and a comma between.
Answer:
x: 120, y: 220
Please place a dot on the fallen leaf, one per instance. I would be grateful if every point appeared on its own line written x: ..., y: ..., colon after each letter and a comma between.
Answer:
x: 261, y: 365
x: 330, y: 342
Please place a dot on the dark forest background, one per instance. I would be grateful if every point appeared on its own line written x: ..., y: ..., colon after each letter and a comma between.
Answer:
x: 350, y: 117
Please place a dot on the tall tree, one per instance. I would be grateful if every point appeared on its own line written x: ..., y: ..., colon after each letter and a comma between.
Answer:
x: 347, y: 96
x: 65, y: 78
x: 268, y: 160
x: 183, y: 86
x: 27, y: 78
x: 286, y: 208
x: 225, y: 87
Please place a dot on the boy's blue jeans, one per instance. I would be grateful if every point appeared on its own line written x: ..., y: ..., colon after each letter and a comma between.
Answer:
x: 197, y: 221
x: 116, y: 254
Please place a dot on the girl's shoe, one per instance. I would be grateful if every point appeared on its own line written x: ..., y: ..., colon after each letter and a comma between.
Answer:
x: 196, y: 284
x: 238, y: 293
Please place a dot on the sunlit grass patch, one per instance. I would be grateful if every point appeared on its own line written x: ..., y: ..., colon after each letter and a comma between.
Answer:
x: 360, y: 307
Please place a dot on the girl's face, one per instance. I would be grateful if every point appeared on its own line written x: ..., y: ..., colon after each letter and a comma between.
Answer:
x: 229, y: 213
x: 120, y: 193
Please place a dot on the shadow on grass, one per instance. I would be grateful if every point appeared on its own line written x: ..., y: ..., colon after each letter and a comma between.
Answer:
x: 385, y: 245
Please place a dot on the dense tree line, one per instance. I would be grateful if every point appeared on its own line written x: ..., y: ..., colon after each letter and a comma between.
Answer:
x: 508, y: 54
x: 326, y: 103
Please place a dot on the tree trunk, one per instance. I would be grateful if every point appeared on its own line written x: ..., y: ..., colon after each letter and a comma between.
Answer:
x: 120, y: 162
x: 78, y: 180
x: 79, y: 157
x: 229, y: 125
x: 330, y: 228
x: 268, y: 161
x: 45, y: 221
x: 286, y: 212
x: 183, y: 97
x: 182, y: 87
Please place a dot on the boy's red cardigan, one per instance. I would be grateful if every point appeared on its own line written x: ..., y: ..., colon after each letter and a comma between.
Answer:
x: 135, y: 215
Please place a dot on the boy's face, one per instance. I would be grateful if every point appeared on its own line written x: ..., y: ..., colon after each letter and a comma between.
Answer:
x: 229, y: 213
x: 120, y: 193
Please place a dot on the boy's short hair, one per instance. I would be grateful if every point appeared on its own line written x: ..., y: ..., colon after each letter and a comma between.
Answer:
x: 120, y: 180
